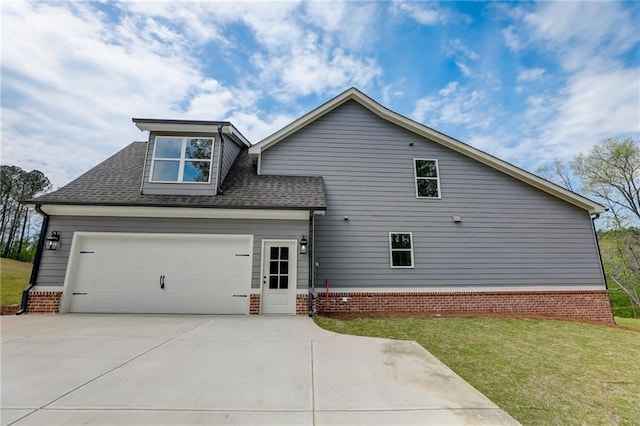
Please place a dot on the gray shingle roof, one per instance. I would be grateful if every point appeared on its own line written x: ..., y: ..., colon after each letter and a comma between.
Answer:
x: 117, y: 181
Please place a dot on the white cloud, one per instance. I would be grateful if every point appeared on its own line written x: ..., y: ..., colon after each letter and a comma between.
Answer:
x: 454, y: 106
x: 581, y: 34
x: 594, y: 95
x: 462, y: 55
x: 74, y: 76
x: 531, y: 74
x: 427, y: 13
x: 595, y: 106
x: 511, y: 38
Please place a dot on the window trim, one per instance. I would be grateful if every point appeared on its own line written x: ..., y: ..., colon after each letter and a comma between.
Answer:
x: 437, y: 178
x: 182, y: 160
x: 391, y: 250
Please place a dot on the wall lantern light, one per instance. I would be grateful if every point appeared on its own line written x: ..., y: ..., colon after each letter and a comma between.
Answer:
x: 303, y: 245
x: 53, y: 240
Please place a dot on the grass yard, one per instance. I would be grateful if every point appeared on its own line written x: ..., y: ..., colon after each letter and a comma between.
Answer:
x: 14, y: 277
x: 629, y: 322
x: 539, y: 371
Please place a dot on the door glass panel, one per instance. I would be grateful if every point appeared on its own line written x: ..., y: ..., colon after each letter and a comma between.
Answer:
x: 279, y: 268
x: 273, y: 282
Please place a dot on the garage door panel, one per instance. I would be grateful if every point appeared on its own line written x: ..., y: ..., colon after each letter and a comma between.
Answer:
x: 202, y: 274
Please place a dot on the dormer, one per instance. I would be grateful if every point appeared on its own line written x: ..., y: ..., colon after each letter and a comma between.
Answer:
x: 188, y: 157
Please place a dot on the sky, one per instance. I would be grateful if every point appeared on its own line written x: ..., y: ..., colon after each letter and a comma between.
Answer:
x: 527, y: 82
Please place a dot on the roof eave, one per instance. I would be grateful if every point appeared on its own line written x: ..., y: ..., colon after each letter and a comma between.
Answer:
x: 172, y: 205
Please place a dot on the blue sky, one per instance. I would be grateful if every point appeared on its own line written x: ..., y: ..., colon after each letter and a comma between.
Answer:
x: 527, y: 82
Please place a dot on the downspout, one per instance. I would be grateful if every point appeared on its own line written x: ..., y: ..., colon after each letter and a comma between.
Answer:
x: 36, y: 261
x: 312, y: 266
x: 595, y: 237
x: 220, y: 162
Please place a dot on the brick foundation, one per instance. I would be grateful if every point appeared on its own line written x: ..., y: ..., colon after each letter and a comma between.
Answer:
x: 582, y: 305
x: 44, y: 302
x: 302, y: 306
x: 9, y: 309
x: 254, y: 304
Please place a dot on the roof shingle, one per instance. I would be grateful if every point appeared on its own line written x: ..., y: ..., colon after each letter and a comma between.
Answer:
x: 117, y: 181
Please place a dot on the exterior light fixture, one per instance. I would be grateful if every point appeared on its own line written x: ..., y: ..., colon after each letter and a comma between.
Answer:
x: 53, y: 240
x: 457, y: 219
x: 303, y: 245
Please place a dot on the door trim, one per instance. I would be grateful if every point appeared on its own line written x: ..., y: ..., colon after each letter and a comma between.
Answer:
x: 292, y: 289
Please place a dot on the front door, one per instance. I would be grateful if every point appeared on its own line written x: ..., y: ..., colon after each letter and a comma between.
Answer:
x: 279, y: 265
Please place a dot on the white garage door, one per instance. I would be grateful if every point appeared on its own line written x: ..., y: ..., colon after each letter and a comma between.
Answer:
x: 160, y: 273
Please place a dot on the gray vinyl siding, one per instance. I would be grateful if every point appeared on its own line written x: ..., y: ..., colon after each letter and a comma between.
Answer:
x: 54, y: 263
x: 180, y: 188
x: 229, y: 154
x: 511, y: 234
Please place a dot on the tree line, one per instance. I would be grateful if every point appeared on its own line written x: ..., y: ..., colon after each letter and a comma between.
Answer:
x: 17, y: 222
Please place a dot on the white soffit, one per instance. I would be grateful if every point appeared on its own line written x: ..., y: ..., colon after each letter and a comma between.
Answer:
x: 176, y: 212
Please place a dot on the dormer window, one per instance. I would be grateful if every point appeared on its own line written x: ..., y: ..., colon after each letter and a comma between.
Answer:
x: 182, y: 160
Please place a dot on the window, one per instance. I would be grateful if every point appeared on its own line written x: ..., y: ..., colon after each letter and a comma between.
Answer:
x: 427, y: 178
x: 279, y: 268
x: 183, y: 160
x: 401, y: 249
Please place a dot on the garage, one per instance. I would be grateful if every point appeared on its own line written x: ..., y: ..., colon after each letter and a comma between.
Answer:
x: 158, y: 273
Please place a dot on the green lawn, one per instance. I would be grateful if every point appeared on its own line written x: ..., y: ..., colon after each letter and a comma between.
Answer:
x: 539, y: 371
x: 14, y: 277
x: 629, y: 322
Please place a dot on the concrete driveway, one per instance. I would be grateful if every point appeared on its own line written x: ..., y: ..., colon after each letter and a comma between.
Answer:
x: 183, y: 369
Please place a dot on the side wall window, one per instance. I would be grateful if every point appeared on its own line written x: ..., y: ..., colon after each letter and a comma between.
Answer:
x: 401, y: 249
x: 427, y: 178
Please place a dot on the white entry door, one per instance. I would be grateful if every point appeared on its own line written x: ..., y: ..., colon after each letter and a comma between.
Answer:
x: 279, y: 266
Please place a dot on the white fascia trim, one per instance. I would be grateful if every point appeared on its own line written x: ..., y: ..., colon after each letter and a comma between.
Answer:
x: 227, y: 129
x: 236, y: 135
x: 466, y: 289
x: 40, y: 288
x: 174, y: 212
x: 422, y: 130
x: 175, y: 127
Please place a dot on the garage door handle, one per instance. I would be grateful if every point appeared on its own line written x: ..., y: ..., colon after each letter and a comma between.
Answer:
x: 162, y: 281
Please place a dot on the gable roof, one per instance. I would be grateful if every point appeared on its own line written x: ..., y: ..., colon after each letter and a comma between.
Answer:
x: 354, y: 94
x: 116, y: 182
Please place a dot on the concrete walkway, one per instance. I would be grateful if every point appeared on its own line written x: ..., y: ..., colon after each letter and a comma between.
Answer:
x: 181, y: 369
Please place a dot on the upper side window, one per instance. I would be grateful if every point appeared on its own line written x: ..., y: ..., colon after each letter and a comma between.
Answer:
x: 427, y: 178
x: 182, y: 159
x: 401, y: 249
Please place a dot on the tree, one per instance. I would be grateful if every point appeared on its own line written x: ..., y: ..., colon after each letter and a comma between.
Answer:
x: 611, y: 172
x: 558, y: 172
x: 15, y: 218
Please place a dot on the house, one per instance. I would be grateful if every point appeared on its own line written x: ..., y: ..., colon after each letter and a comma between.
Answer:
x: 350, y: 208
